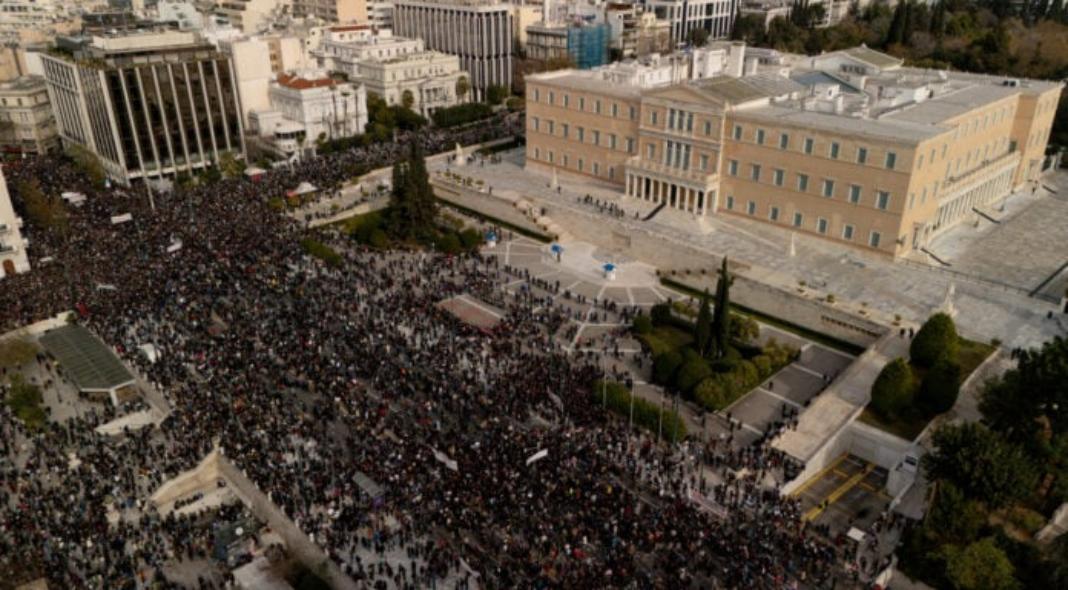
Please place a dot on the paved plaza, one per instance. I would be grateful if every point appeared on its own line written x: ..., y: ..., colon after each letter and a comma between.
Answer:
x: 881, y: 286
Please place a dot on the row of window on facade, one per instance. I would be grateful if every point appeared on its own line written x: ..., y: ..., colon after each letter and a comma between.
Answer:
x: 822, y: 226
x: 614, y: 109
x: 580, y: 134
x: 827, y: 189
x: 808, y: 146
x: 580, y: 163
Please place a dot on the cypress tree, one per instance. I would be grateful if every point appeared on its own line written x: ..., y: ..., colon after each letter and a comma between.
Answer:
x: 703, y: 328
x: 721, y: 319
x: 896, y: 32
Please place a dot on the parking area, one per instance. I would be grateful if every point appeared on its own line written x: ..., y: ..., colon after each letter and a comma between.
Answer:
x: 848, y: 493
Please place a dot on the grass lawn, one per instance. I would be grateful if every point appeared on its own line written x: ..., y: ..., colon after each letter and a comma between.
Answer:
x: 666, y: 338
x: 971, y: 354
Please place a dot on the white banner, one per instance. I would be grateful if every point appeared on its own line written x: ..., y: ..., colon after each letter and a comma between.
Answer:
x: 117, y: 219
x: 451, y: 464
x: 538, y: 456
x: 176, y: 246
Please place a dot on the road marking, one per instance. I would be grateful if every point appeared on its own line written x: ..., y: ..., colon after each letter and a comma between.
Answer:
x: 840, y: 491
x: 834, y: 464
x: 779, y: 397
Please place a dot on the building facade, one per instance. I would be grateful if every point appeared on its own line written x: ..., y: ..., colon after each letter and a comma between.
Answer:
x: 333, y: 11
x: 393, y: 67
x: 380, y: 14
x: 479, y: 32
x: 849, y: 146
x: 250, y: 16
x: 13, y: 257
x: 714, y: 16
x: 27, y: 125
x: 307, y: 109
x: 148, y: 104
x: 585, y: 45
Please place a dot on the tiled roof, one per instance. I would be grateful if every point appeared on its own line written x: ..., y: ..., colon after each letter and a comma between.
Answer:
x: 298, y: 83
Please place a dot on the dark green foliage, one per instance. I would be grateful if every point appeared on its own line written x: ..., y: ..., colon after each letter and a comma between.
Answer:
x: 1037, y: 389
x: 721, y: 320
x: 25, y: 401
x: 413, y: 207
x: 461, y: 114
x: 470, y: 238
x: 690, y: 374
x: 647, y: 415
x: 642, y: 324
x: 939, y: 388
x: 665, y: 365
x: 981, y: 463
x: 936, y: 340
x: 660, y: 314
x: 698, y: 37
x: 953, y: 518
x: 982, y: 565
x: 321, y: 251
x: 495, y: 94
x: 892, y: 391
x: 702, y: 333
x: 449, y: 243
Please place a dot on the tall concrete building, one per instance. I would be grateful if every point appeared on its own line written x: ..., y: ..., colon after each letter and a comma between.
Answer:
x: 480, y: 32
x: 13, y: 258
x: 147, y: 103
x: 714, y: 16
x: 334, y: 11
x: 849, y: 146
x: 251, y: 16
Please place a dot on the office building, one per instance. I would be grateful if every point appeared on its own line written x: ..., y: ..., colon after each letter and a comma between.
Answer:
x: 393, y: 67
x: 714, y: 16
x: 480, y: 32
x: 380, y: 14
x: 27, y: 125
x: 584, y: 44
x: 13, y: 258
x: 147, y: 103
x: 850, y: 146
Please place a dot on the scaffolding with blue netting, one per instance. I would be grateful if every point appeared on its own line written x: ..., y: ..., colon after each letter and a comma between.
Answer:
x: 588, y: 44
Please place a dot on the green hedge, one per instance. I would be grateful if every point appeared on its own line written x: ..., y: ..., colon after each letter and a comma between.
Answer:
x: 461, y: 114
x: 647, y: 415
x: 321, y: 251
x: 736, y: 377
x: 25, y: 401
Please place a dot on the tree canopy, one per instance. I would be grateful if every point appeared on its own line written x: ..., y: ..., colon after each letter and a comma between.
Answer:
x: 981, y: 464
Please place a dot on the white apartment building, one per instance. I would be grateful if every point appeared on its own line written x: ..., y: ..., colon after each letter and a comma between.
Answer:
x: 480, y: 32
x: 715, y: 16
x: 393, y: 66
x: 332, y: 11
x: 306, y: 109
x: 13, y: 258
x: 27, y: 125
x: 257, y: 63
x: 182, y: 12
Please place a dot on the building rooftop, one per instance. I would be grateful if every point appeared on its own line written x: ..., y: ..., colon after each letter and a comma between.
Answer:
x: 895, y: 131
x: 24, y: 84
x: 91, y: 365
x: 944, y: 107
x: 588, y: 80
x: 297, y: 82
x: 873, y: 57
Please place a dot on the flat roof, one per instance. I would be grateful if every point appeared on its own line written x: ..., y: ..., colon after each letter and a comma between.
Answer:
x: 941, y: 108
x: 873, y: 57
x: 588, y: 81
x: 91, y: 365
x: 891, y: 130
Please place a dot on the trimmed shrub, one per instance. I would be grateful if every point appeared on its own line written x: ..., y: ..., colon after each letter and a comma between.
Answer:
x: 939, y: 388
x: 892, y: 391
x: 762, y: 362
x: 691, y: 373
x: 743, y: 329
x: 937, y: 339
x: 378, y: 239
x: 664, y: 367
x: 647, y: 415
x: 660, y: 313
x: 470, y: 238
x: 461, y: 114
x: 321, y: 251
x: 449, y: 243
x: 642, y: 324
x: 712, y: 394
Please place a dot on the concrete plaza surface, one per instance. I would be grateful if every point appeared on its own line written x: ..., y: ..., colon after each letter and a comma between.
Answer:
x: 985, y: 308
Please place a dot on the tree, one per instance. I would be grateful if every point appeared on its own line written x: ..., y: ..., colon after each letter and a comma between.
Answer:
x: 89, y: 164
x: 891, y: 392
x: 939, y: 387
x: 1035, y: 391
x: 642, y: 324
x: 952, y: 518
x: 697, y: 37
x: 981, y: 463
x: 665, y: 365
x: 229, y: 165
x: 407, y: 99
x: 721, y: 320
x: 43, y: 212
x: 495, y: 94
x: 462, y: 88
x: 937, y: 339
x: 981, y: 565
x: 896, y: 33
x: 413, y: 206
x: 690, y: 374
x: 702, y: 331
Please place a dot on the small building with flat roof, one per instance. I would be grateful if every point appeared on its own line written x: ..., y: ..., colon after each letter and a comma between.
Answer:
x: 89, y: 363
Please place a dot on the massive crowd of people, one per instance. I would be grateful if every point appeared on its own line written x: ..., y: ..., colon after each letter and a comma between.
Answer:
x: 313, y: 378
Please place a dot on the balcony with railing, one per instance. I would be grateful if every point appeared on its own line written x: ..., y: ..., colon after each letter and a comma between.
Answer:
x: 702, y: 178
